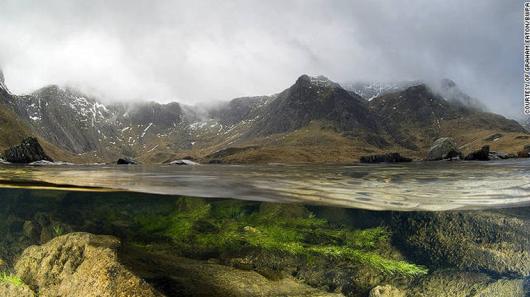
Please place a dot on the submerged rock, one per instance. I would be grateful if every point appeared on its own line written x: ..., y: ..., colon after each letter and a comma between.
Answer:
x: 79, y: 264
x: 388, y: 158
x: 18, y: 290
x: 177, y: 276
x: 126, y: 161
x: 449, y: 283
x: 183, y: 162
x: 497, y: 242
x: 444, y: 148
x: 386, y: 291
x: 28, y: 151
x: 481, y: 155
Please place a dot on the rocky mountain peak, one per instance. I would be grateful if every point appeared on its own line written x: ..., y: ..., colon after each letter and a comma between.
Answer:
x: 3, y: 82
x: 373, y: 89
x: 450, y: 91
x: 420, y: 88
x: 318, y: 81
x: 447, y: 84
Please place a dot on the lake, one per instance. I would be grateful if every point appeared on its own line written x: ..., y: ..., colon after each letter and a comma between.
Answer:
x: 412, y: 229
x: 406, y: 186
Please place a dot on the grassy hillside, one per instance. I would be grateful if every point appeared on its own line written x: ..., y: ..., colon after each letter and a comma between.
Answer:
x: 12, y: 130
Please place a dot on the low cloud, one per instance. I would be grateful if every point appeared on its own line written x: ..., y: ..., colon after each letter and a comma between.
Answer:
x: 217, y: 50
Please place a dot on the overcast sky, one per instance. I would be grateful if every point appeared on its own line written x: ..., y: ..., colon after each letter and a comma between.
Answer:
x: 192, y: 51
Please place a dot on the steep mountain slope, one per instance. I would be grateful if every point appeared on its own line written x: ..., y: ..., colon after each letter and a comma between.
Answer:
x: 314, y: 120
x: 526, y: 123
x: 65, y: 118
x: 3, y: 88
x: 371, y: 90
x: 85, y: 126
x: 240, y: 109
x: 417, y: 116
x: 452, y: 93
x: 315, y: 99
x: 13, y: 129
x: 445, y: 88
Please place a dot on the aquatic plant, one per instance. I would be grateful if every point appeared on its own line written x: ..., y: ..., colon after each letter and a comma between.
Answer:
x: 178, y: 225
x: 58, y: 230
x: 232, y: 227
x: 8, y: 278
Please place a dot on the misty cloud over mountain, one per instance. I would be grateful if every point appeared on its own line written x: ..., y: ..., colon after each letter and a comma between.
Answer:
x: 217, y: 50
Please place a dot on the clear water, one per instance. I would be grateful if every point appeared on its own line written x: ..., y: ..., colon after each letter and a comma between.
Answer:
x: 429, y: 186
x: 427, y: 229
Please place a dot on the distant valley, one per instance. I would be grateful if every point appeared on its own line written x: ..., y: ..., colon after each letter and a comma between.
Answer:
x: 313, y: 121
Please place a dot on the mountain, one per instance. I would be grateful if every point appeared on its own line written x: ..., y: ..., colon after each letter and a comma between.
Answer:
x: 445, y: 88
x: 65, y: 117
x: 314, y: 120
x: 85, y: 126
x: 525, y: 122
x: 314, y: 99
x: 317, y: 120
x: 3, y: 88
x: 416, y: 116
x: 371, y: 90
x: 452, y: 93
x: 13, y: 129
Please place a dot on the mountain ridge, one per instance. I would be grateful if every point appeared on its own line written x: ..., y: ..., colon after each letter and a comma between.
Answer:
x: 306, y: 122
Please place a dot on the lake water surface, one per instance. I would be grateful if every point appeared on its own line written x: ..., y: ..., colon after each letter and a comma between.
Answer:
x: 407, y: 186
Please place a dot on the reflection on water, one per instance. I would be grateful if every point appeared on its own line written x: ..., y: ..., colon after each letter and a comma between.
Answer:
x: 411, y: 186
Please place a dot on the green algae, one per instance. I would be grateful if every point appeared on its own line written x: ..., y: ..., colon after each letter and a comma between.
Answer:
x: 232, y: 226
x: 8, y: 278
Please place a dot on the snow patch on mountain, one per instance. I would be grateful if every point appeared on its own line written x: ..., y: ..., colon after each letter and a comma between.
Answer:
x: 145, y: 130
x: 371, y: 90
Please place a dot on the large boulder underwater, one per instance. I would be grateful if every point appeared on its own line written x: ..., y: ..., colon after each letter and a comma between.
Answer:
x: 80, y: 264
x: 492, y: 241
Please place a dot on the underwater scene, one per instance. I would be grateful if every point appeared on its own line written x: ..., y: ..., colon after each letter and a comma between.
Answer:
x: 67, y: 240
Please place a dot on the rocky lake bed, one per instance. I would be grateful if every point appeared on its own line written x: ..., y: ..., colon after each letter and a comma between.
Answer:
x: 63, y: 243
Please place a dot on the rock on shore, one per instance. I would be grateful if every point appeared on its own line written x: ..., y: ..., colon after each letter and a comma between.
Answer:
x: 525, y: 153
x: 444, y: 148
x: 126, y: 161
x: 388, y: 158
x: 28, y: 151
x: 481, y: 155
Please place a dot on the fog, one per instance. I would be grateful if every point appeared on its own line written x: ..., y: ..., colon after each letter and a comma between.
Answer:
x: 202, y: 51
